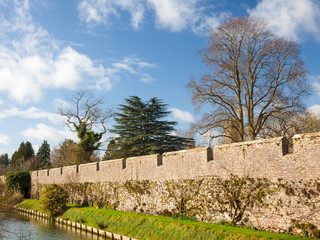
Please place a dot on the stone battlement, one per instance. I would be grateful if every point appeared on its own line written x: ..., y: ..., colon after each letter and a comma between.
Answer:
x: 267, y: 158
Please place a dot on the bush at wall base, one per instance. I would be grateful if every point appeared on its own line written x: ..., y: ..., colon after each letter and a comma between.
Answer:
x: 53, y: 200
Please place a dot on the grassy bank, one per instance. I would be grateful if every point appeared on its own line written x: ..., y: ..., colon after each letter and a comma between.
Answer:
x: 156, y: 227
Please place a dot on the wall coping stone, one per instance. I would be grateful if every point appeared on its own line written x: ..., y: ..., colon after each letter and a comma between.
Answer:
x: 250, y: 143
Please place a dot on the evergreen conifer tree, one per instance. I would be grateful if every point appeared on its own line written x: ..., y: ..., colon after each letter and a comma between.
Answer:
x: 141, y: 130
x: 4, y: 160
x: 43, y: 155
x: 24, y: 153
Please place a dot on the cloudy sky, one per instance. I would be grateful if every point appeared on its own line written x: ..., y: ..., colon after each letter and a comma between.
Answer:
x: 50, y: 49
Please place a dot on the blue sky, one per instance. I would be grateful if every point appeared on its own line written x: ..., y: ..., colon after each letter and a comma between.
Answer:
x: 117, y: 48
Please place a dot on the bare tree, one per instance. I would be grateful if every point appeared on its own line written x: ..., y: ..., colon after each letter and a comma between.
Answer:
x: 68, y: 153
x: 289, y: 123
x: 86, y: 117
x: 255, y: 75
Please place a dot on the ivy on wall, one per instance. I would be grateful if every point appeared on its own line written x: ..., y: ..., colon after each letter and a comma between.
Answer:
x: 239, y: 200
x: 18, y: 180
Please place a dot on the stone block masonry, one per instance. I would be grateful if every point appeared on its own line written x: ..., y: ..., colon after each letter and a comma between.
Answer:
x: 2, y: 179
x: 266, y: 158
x: 140, y: 184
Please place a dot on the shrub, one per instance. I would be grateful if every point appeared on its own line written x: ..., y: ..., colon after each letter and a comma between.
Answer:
x: 53, y: 200
x: 13, y: 197
x: 2, y: 189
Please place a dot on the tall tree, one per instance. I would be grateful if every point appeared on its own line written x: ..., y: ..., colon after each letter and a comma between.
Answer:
x: 255, y: 76
x: 141, y: 129
x: 86, y: 115
x: 64, y: 154
x: 20, y: 156
x: 4, y: 160
x: 43, y: 155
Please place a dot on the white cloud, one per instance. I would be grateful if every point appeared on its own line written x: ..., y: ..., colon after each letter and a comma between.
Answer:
x: 146, y: 78
x: 294, y: 19
x: 134, y: 66
x: 30, y: 113
x: 42, y: 131
x: 314, y: 110
x: 174, y: 15
x: 100, y: 11
x: 183, y: 116
x: 316, y: 86
x: 32, y: 61
x: 5, y: 140
x: 60, y: 103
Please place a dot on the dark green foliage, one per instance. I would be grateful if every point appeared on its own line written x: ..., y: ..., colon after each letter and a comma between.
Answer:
x: 53, y: 200
x: 89, y: 140
x: 141, y: 130
x: 4, y: 160
x: 18, y: 180
x: 20, y: 156
x: 43, y: 156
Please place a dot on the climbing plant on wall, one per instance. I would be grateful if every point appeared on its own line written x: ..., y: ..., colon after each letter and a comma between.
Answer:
x: 18, y: 180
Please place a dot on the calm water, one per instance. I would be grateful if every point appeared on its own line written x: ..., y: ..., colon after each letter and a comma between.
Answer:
x: 16, y: 225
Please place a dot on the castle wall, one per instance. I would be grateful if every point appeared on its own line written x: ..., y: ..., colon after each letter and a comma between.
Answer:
x: 262, y: 158
x: 267, y: 158
x: 2, y: 179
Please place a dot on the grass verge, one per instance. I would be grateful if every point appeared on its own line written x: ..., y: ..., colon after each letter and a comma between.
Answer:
x: 156, y: 227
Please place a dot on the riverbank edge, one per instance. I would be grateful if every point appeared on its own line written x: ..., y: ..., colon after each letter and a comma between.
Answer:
x: 220, y: 231
x: 75, y: 225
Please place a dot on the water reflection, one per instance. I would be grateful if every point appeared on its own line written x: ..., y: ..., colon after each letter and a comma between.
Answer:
x: 14, y: 225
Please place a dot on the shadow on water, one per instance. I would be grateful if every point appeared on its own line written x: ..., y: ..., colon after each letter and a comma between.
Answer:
x: 16, y: 225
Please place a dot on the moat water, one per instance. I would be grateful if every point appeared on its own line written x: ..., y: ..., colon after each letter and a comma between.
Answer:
x: 15, y: 225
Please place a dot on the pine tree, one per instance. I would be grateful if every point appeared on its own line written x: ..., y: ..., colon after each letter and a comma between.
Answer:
x: 4, y: 160
x: 20, y: 156
x: 141, y: 129
x: 43, y: 155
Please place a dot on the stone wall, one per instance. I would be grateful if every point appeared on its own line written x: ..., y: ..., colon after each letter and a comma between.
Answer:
x: 262, y: 158
x: 142, y: 183
x: 2, y: 179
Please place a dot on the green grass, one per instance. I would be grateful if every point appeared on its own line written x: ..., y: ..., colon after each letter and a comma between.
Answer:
x: 157, y: 227
x: 32, y: 204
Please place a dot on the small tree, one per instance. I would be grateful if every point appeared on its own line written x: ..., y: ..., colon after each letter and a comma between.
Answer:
x: 53, y: 200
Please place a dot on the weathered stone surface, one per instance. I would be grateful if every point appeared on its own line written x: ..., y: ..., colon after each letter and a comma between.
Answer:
x: 140, y: 183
